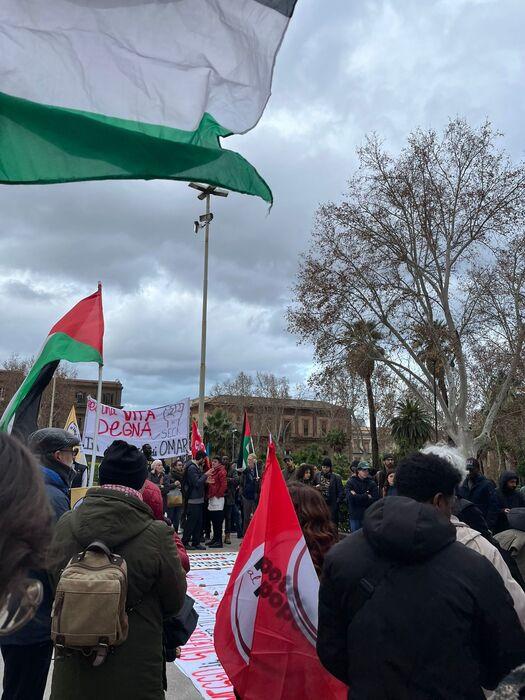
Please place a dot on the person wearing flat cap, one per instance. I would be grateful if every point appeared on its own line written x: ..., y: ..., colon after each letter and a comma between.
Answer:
x: 115, y: 514
x: 56, y: 450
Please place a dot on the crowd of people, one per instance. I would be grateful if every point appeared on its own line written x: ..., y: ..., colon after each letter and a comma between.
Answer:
x: 209, y: 500
x: 126, y: 513
x: 431, y: 575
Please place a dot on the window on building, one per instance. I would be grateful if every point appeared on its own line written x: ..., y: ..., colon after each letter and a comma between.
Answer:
x: 108, y: 399
x: 2, y: 393
x: 324, y: 427
x: 306, y: 427
x: 81, y: 397
x: 366, y: 445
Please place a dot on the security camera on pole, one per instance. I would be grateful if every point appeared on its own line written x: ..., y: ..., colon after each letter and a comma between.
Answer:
x: 204, y: 222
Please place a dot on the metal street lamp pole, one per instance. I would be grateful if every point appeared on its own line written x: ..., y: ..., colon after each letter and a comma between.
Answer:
x: 204, y: 222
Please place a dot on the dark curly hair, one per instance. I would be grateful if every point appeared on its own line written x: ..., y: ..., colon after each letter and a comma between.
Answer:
x: 301, y: 471
x: 421, y: 476
x: 25, y: 515
x: 314, y: 518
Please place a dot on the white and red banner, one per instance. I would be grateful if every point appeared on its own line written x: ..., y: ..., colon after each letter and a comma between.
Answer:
x: 166, y: 428
x: 207, y: 581
x: 266, y: 626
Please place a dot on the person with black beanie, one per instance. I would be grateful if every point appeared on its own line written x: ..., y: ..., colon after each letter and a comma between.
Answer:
x: 116, y: 515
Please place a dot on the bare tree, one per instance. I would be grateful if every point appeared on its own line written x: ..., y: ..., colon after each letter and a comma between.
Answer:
x: 345, y: 398
x: 266, y: 397
x: 409, y: 248
x: 16, y: 370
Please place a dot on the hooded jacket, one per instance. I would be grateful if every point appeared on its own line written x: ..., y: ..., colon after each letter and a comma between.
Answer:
x: 476, y: 541
x: 438, y: 612
x: 156, y: 588
x: 153, y: 498
x: 482, y: 493
x: 507, y: 498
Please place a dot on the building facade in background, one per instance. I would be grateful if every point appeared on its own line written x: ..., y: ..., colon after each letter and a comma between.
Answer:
x: 111, y: 395
x: 294, y: 423
x: 69, y: 391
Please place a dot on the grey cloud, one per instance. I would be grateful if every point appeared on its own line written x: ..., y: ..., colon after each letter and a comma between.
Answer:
x: 384, y: 65
x: 24, y: 291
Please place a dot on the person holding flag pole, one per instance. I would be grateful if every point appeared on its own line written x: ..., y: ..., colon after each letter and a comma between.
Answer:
x: 249, y: 474
x: 266, y: 624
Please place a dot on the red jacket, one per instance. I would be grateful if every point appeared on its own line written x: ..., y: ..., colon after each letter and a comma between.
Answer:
x: 153, y: 498
x: 219, y: 485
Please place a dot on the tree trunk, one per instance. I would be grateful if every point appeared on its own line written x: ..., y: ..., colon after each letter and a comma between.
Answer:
x: 373, y: 422
x: 465, y: 442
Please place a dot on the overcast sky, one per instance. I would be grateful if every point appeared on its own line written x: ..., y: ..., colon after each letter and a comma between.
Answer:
x: 345, y: 68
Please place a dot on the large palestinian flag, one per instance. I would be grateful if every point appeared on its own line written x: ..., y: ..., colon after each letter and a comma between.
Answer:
x: 77, y: 337
x: 107, y: 89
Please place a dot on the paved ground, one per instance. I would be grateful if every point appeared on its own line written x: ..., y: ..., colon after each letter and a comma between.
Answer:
x: 179, y: 686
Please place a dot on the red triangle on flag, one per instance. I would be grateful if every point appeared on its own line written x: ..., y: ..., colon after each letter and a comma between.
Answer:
x: 266, y: 625
x: 84, y: 322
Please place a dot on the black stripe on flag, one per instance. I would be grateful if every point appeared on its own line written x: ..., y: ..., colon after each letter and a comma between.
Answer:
x: 26, y: 416
x: 285, y: 7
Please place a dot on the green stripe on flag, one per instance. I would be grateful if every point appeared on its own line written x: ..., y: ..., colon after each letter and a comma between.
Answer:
x: 58, y: 346
x: 41, y: 144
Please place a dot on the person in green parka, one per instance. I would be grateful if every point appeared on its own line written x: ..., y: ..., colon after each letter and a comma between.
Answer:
x: 116, y: 515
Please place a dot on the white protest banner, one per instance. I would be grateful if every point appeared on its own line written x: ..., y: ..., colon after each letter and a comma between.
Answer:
x: 207, y: 582
x: 166, y: 428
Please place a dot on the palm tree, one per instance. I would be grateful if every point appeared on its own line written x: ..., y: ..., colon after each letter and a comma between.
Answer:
x: 411, y: 427
x: 336, y: 439
x: 218, y: 431
x: 434, y: 348
x: 361, y: 341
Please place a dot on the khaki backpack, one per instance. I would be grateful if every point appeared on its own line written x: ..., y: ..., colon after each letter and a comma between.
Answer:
x: 89, y: 612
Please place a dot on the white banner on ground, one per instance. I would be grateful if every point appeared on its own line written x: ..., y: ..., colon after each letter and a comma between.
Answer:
x: 207, y: 582
x: 166, y: 428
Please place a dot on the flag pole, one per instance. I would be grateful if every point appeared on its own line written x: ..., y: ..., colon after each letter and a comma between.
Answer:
x: 52, y: 409
x: 97, y: 417
x: 97, y: 421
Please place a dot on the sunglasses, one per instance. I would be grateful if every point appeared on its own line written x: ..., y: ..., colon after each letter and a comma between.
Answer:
x: 15, y: 613
x: 74, y: 450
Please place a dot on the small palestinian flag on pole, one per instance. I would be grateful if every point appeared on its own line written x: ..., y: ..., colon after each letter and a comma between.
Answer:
x: 246, y: 447
x: 77, y: 337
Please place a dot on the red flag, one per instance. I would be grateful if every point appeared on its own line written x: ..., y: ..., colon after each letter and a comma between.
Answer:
x: 196, y: 441
x: 266, y: 625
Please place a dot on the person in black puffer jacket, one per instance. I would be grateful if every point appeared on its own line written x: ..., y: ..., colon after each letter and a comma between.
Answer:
x: 439, y: 611
x: 508, y: 496
x: 361, y: 491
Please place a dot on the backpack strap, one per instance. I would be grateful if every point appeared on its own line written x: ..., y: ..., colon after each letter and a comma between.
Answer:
x: 368, y: 584
x: 98, y: 546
